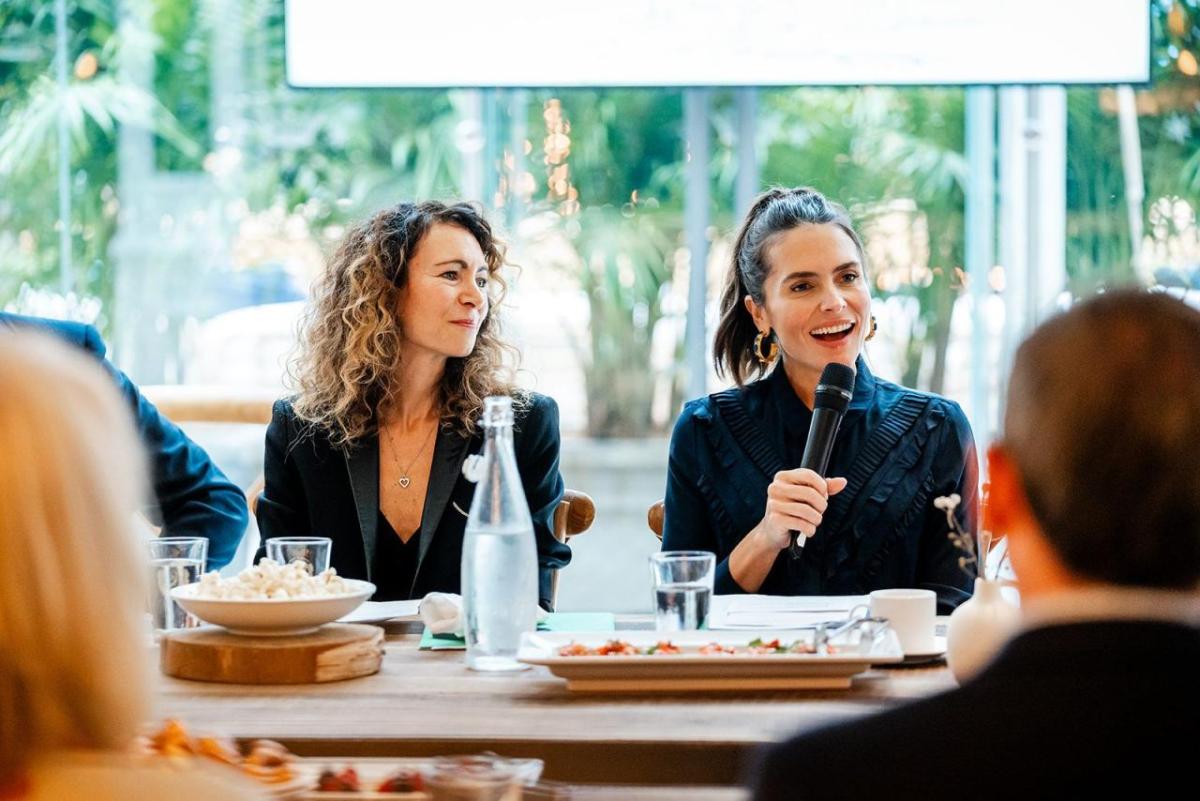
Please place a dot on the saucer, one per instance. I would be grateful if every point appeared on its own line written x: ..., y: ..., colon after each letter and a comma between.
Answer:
x: 938, y: 652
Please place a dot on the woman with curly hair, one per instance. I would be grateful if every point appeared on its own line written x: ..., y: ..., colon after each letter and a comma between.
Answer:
x: 400, y: 346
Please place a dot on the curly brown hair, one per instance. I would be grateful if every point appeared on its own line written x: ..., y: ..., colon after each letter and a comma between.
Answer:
x: 351, y: 335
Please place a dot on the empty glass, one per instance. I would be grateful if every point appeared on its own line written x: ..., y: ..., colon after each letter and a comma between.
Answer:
x: 683, y: 585
x: 174, y: 562
x: 314, y: 551
x: 474, y: 778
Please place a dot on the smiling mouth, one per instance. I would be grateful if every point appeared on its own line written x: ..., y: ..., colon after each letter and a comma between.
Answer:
x: 465, y: 323
x: 834, y: 333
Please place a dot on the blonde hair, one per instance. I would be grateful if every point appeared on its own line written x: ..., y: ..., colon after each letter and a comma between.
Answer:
x: 73, y: 661
x: 349, y: 358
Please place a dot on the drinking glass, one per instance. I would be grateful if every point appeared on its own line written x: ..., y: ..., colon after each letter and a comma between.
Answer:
x: 476, y: 778
x: 314, y: 551
x: 174, y: 561
x: 683, y: 585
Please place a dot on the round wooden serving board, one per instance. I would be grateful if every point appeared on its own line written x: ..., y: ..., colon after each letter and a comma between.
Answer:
x: 333, y: 652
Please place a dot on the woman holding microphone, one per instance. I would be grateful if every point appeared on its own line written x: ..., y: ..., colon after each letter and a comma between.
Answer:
x: 796, y: 299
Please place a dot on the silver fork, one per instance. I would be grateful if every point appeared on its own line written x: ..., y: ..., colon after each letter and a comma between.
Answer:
x: 822, y: 635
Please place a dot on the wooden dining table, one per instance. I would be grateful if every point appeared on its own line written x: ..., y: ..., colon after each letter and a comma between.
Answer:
x: 426, y: 703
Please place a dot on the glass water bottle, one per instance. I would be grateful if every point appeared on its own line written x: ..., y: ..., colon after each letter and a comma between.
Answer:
x: 499, y: 561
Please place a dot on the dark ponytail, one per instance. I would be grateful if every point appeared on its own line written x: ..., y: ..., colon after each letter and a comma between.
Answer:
x: 775, y: 211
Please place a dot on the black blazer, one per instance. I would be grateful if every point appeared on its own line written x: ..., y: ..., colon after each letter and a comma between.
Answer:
x: 194, y: 498
x: 898, y: 448
x: 1067, y: 711
x: 315, y: 489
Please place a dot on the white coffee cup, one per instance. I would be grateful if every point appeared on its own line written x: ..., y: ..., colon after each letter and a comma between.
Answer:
x: 911, y: 614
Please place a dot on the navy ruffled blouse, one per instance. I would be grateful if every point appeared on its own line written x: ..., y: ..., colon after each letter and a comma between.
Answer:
x: 898, y: 448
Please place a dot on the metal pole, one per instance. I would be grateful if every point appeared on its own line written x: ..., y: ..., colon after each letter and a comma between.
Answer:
x: 1014, y: 178
x: 470, y: 108
x: 66, y: 272
x: 980, y: 246
x: 1048, y: 201
x: 490, y: 157
x: 746, y: 183
x: 518, y: 103
x: 1131, y: 161
x: 695, y: 225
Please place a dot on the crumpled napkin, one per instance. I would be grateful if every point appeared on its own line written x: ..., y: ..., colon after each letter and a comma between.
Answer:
x: 442, y: 613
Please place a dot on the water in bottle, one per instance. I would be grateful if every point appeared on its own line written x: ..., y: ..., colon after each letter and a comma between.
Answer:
x: 499, y: 565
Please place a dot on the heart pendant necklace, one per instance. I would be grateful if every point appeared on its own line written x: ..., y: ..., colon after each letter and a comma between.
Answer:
x: 404, y: 481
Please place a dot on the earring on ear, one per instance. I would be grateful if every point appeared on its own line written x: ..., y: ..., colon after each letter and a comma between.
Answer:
x: 874, y: 328
x: 771, y: 355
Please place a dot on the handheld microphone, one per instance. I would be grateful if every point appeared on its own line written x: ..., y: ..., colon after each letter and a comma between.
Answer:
x: 830, y: 402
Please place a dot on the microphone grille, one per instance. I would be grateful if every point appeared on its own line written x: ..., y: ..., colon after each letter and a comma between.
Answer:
x: 835, y: 388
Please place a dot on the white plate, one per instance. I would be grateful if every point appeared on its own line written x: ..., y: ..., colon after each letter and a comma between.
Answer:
x: 373, y: 770
x: 273, y: 617
x: 384, y: 611
x: 692, y: 670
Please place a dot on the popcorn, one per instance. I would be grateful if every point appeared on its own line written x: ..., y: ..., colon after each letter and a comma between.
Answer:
x: 269, y: 580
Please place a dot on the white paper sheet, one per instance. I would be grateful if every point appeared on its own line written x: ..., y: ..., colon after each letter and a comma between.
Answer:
x: 379, y: 611
x: 779, y: 611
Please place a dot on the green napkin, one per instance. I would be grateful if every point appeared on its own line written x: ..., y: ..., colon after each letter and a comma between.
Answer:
x: 555, y: 621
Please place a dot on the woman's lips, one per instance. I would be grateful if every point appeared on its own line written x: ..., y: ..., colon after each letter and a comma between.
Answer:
x: 471, y: 324
x: 834, y: 338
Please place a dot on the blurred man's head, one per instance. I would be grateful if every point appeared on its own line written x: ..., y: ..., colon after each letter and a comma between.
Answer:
x: 1097, y: 478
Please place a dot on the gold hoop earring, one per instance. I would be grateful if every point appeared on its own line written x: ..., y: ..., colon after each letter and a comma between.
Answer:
x: 771, y: 355
x: 874, y: 328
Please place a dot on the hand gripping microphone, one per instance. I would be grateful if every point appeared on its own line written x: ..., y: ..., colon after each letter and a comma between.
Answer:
x: 830, y: 402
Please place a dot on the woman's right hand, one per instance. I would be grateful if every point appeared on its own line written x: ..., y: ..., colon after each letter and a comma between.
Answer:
x: 796, y: 501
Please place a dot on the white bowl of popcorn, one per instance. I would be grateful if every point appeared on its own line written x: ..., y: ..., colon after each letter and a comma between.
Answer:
x: 273, y: 600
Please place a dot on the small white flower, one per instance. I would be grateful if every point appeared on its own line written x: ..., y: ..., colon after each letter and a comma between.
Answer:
x: 473, y: 467
x: 947, y: 503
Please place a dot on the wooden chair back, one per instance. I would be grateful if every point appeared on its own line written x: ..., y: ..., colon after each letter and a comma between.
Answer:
x: 654, y: 518
x: 574, y: 515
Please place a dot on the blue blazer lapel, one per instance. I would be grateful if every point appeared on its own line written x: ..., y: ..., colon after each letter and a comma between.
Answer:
x: 449, y: 452
x: 362, y: 463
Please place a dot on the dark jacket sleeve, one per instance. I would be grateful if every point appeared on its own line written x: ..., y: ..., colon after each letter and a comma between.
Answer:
x: 538, y: 462
x: 194, y: 498
x: 687, y: 522
x: 282, y: 509
x: 955, y: 470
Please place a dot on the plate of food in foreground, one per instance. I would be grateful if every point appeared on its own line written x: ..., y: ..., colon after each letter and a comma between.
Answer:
x: 273, y: 600
x: 271, y: 765
x: 417, y: 779
x: 650, y: 661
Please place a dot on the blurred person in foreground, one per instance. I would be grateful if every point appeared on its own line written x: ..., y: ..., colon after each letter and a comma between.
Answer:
x: 797, y: 297
x: 74, y: 667
x: 193, y: 498
x: 400, y: 347
x: 1096, y: 484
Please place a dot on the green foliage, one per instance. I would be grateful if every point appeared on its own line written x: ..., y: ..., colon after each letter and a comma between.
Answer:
x: 622, y: 140
x: 31, y: 103
x: 626, y: 266
x: 182, y: 79
x: 865, y: 147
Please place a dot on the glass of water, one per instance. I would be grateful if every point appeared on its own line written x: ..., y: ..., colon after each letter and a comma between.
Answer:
x: 174, y: 561
x: 683, y: 584
x: 313, y: 551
